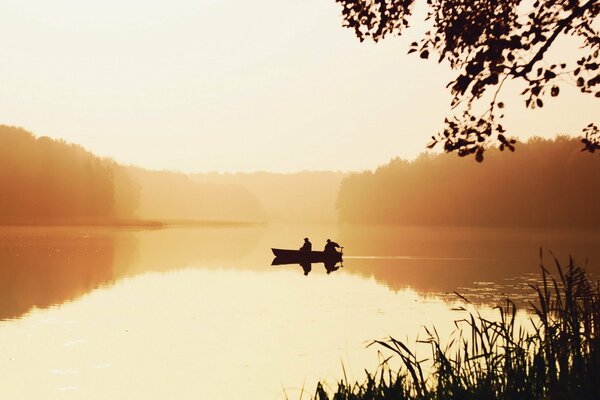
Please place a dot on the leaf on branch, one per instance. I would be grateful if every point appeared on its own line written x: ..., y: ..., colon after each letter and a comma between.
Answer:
x: 479, y: 154
x: 591, y: 140
x: 549, y: 75
x: 591, y: 66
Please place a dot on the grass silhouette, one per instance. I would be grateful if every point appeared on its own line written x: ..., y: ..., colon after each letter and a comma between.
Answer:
x: 558, y: 358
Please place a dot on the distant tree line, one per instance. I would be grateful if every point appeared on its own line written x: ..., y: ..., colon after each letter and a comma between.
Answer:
x: 48, y: 181
x: 170, y: 196
x: 307, y: 196
x: 44, y: 180
x: 547, y: 183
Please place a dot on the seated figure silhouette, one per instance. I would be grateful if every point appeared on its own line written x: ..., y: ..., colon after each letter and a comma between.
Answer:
x: 307, y: 246
x: 330, y: 247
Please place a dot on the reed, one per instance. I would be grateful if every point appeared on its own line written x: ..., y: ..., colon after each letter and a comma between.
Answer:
x: 556, y: 358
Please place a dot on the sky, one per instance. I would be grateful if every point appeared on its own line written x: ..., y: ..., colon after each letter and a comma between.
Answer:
x: 232, y: 85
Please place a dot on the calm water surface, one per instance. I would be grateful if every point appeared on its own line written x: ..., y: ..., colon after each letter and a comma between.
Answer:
x: 199, y: 312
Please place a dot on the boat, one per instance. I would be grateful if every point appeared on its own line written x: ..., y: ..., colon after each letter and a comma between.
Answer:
x: 284, y: 256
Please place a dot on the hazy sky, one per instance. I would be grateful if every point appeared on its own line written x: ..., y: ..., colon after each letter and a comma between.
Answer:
x: 230, y: 85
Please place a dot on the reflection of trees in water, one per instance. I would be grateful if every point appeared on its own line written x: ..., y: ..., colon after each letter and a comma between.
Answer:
x: 47, y: 266
x: 41, y: 267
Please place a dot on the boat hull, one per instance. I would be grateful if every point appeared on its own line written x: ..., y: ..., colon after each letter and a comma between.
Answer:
x: 283, y: 256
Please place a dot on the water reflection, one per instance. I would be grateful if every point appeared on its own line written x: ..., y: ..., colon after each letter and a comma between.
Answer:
x: 307, y: 266
x: 332, y: 266
x: 209, y: 333
x: 45, y: 266
x: 442, y: 260
x: 201, y: 309
x: 41, y: 267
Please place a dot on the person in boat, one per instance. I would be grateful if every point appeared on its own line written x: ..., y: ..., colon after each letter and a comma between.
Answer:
x: 307, y: 246
x: 330, y: 247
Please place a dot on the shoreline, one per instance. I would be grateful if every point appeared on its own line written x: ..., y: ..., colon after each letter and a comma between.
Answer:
x: 126, y: 223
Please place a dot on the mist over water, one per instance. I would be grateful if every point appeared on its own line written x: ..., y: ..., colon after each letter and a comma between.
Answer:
x: 185, y: 311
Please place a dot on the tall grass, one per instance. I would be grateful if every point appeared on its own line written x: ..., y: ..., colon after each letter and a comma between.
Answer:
x: 558, y: 357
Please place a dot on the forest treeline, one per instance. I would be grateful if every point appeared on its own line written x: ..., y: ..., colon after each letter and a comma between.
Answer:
x: 173, y: 196
x: 544, y: 183
x: 307, y: 196
x: 49, y: 181
x: 46, y: 180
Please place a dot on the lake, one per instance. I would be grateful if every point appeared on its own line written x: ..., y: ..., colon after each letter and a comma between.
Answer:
x: 194, y: 312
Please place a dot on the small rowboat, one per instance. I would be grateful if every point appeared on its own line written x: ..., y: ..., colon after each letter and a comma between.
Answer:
x: 283, y: 256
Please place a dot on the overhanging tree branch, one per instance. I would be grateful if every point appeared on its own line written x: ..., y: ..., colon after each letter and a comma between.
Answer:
x: 561, y: 25
x: 486, y: 42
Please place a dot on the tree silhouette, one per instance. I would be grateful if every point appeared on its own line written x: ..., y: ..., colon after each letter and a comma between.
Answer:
x: 489, y: 42
x: 556, y: 191
x: 49, y: 181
